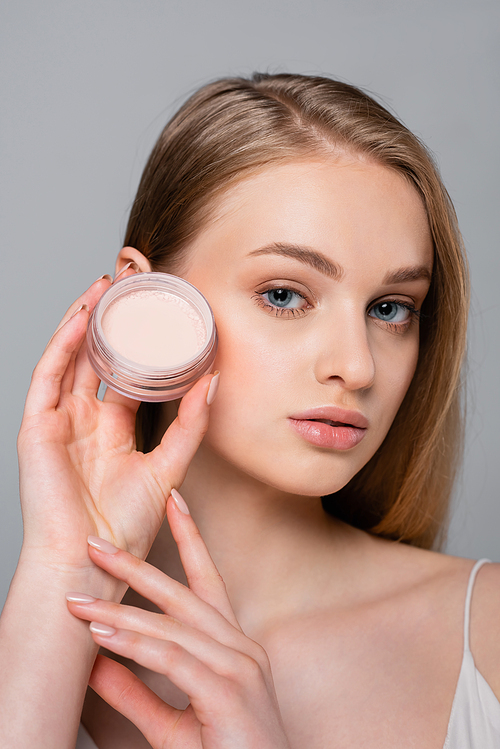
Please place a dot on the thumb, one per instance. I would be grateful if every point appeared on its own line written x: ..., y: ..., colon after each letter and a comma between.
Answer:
x: 170, y: 461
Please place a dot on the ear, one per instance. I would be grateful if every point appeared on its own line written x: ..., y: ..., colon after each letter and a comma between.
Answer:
x: 130, y: 254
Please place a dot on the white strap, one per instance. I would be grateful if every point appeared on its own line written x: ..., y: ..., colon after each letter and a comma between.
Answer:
x: 468, y: 598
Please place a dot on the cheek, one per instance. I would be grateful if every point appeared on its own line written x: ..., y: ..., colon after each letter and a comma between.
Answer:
x: 260, y: 364
x: 254, y: 364
x: 395, y: 374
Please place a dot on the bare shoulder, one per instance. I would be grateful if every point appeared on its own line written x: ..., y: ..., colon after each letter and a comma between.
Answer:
x: 446, y: 577
x: 432, y: 573
x: 485, y: 625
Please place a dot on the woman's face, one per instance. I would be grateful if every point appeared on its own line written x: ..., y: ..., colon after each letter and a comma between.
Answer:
x: 315, y: 271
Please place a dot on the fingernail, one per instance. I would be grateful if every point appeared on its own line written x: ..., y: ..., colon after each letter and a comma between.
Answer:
x: 106, y: 277
x: 212, y: 390
x: 80, y: 598
x: 133, y: 266
x: 82, y: 306
x: 102, y: 545
x: 179, y: 502
x: 102, y: 629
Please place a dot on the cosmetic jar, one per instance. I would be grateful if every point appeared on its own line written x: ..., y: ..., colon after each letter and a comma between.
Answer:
x: 151, y: 336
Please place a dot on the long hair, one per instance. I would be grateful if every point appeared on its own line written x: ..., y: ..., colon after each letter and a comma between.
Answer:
x: 234, y: 127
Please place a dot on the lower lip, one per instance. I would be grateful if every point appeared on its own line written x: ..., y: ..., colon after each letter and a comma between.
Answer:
x: 323, y: 435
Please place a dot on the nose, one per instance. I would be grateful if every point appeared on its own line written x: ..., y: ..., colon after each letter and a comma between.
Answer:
x: 344, y: 353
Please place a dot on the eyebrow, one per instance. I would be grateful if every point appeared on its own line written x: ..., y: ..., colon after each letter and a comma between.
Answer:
x: 416, y: 273
x: 315, y: 259
x: 321, y: 263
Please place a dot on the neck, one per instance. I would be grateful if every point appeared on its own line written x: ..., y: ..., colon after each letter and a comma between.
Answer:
x: 265, y: 542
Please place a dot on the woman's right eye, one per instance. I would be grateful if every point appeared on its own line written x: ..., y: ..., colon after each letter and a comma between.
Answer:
x: 282, y: 301
x: 283, y: 298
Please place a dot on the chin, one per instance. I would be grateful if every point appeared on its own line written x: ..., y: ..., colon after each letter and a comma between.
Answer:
x: 285, y: 465
x: 298, y: 477
x: 311, y: 487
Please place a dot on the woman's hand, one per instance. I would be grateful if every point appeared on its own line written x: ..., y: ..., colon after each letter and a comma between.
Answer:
x: 197, y: 644
x: 80, y: 473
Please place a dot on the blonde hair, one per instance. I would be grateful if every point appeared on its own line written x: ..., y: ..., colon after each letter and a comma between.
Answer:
x: 234, y: 127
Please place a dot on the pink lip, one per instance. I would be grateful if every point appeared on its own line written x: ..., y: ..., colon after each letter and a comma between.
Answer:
x: 348, y: 429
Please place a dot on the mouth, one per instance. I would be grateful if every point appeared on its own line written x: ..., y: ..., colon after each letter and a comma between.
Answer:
x: 332, y: 423
x: 330, y: 428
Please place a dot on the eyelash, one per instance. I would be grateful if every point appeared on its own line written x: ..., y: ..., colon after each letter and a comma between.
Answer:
x: 399, y: 327
x: 289, y: 312
x: 293, y: 312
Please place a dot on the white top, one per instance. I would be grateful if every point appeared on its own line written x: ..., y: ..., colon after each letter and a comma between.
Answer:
x: 475, y: 715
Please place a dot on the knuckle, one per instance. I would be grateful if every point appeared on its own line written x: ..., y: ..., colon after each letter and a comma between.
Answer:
x: 171, y: 653
x: 124, y: 695
x: 195, y: 534
x: 135, y: 639
x: 225, y: 693
x: 248, y: 669
x: 133, y: 566
x: 220, y: 580
x: 256, y: 653
x: 128, y: 567
x: 50, y: 380
x: 262, y: 658
x: 44, y: 376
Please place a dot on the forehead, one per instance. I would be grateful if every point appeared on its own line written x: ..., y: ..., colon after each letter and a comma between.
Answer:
x: 349, y: 209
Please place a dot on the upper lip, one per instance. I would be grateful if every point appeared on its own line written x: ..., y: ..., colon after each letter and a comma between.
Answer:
x: 340, y: 416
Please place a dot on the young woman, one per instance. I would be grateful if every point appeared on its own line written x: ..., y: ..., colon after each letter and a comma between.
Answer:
x: 315, y: 612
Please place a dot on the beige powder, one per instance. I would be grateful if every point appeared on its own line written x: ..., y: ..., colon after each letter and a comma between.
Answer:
x: 154, y: 328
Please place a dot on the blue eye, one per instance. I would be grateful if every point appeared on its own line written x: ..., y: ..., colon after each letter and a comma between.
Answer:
x: 283, y: 298
x: 394, y: 312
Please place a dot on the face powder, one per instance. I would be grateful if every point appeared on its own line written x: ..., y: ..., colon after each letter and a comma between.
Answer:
x: 151, y: 336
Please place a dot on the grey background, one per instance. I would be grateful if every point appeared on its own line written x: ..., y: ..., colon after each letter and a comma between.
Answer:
x: 87, y: 86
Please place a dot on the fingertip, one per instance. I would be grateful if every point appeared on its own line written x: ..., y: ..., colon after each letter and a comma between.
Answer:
x: 179, y: 502
x: 179, y: 517
x: 102, y: 545
x: 65, y: 340
x: 213, y: 388
x: 194, y: 402
x: 203, y: 391
x: 102, y: 630
x: 128, y: 270
x: 80, y: 308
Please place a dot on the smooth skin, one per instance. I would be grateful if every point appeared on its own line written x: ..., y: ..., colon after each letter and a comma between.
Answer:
x: 359, y: 639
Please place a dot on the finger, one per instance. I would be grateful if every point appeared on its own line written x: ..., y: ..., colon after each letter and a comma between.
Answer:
x: 85, y: 381
x: 127, y: 694
x: 69, y: 375
x: 169, y: 595
x: 202, y: 575
x: 128, y: 270
x: 202, y: 685
x: 111, y: 396
x: 46, y: 382
x: 45, y: 389
x: 222, y: 658
x: 89, y: 297
x: 169, y: 461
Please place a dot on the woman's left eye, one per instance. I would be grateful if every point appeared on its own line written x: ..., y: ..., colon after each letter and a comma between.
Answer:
x: 393, y: 312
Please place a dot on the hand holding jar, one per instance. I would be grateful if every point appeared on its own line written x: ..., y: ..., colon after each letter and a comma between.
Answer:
x: 80, y: 471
